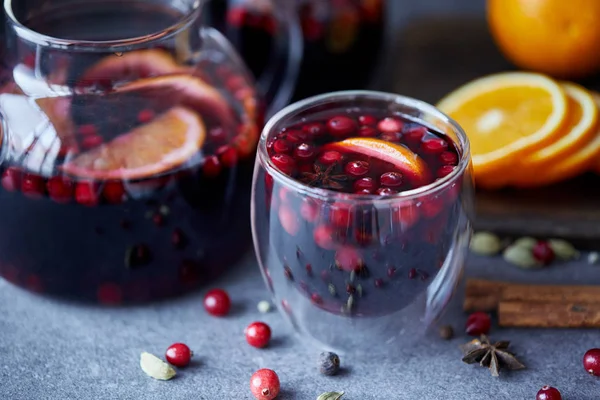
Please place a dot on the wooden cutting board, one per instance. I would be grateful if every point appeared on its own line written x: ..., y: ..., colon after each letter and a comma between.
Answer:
x: 435, y: 55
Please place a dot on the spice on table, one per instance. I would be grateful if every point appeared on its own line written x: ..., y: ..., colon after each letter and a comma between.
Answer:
x: 330, y: 396
x: 543, y: 253
x: 520, y: 257
x: 264, y: 384
x: 563, y: 249
x: 155, y: 367
x: 591, y: 362
x: 258, y: 334
x: 179, y: 355
x: 264, y: 306
x: 329, y: 363
x: 548, y: 393
x: 526, y: 242
x: 485, y: 243
x: 494, y: 356
x: 548, y: 314
x: 446, y: 332
x: 478, y: 323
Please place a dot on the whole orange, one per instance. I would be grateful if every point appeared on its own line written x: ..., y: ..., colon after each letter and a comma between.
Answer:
x: 557, y: 37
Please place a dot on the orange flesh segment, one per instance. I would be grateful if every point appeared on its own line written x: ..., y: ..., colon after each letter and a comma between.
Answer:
x: 159, y: 146
x: 404, y: 159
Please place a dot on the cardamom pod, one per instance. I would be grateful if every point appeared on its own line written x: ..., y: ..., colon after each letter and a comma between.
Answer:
x: 155, y: 367
x: 521, y: 257
x: 485, y: 243
x: 331, y: 396
x: 563, y: 249
x: 527, y: 242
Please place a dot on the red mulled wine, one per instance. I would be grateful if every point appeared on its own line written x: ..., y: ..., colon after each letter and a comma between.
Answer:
x: 125, y: 176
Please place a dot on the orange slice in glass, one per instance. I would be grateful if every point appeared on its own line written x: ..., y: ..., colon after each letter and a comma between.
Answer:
x: 151, y: 149
x: 507, y: 116
x: 404, y: 159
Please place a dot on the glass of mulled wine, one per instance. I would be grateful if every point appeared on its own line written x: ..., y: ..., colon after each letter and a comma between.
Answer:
x: 361, y: 211
x: 129, y: 132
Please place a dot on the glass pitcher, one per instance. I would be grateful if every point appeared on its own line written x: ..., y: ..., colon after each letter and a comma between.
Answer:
x: 129, y: 131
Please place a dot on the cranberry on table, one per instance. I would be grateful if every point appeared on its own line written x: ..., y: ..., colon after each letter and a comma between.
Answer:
x: 264, y: 384
x: 591, y: 362
x: 217, y: 303
x: 258, y: 334
x: 478, y: 323
x: 548, y: 393
x: 179, y: 355
x: 543, y: 253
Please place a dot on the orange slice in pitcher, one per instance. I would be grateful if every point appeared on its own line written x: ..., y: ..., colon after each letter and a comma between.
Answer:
x: 159, y: 146
x: 404, y: 159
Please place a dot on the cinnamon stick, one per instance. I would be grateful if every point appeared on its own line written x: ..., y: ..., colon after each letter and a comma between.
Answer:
x: 551, y: 294
x: 548, y: 315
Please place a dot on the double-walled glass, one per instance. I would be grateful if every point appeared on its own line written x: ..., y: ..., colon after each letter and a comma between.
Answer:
x: 393, y: 265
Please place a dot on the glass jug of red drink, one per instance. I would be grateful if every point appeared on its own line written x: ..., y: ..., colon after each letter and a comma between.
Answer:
x: 128, y: 137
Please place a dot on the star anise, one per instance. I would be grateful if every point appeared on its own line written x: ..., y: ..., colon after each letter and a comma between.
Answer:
x: 324, y: 178
x: 494, y: 356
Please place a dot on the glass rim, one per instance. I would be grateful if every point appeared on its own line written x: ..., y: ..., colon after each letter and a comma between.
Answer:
x: 37, y: 38
x: 347, y: 95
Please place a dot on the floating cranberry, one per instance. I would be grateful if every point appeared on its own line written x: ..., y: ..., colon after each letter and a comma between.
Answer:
x: 367, y: 131
x: 323, y: 236
x: 258, y: 334
x: 264, y: 384
x: 415, y: 134
x: 284, y: 163
x: 145, y: 116
x: 60, y: 189
x: 445, y: 171
x: 348, y: 259
x: 86, y: 193
x: 478, y: 323
x: 341, y: 125
x: 11, y: 179
x: 314, y: 129
x: 87, y: 130
x: 385, y: 192
x: 330, y: 157
x: 391, y: 179
x: 178, y: 238
x: 295, y: 137
x: 217, y: 303
x: 591, y: 362
x: 211, y: 167
x: 91, y: 141
x: 282, y: 146
x: 367, y: 120
x: 366, y: 183
x: 179, y: 355
x: 113, y: 192
x: 309, y: 210
x: 434, y: 146
x: 289, y: 220
x: 390, y: 125
x: 357, y: 168
x: 340, y: 215
x: 33, y: 186
x: 543, y: 253
x: 227, y: 155
x: 449, y: 158
x: 304, y: 151
x: 548, y: 393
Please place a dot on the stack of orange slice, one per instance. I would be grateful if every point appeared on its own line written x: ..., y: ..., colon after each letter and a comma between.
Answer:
x: 527, y: 130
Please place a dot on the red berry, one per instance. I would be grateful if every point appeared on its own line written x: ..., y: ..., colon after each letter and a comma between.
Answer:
x: 367, y: 131
x: 367, y: 120
x: 445, y: 171
x: 357, y: 168
x: 304, y: 151
x: 264, y: 384
x: 86, y: 193
x: 236, y: 16
x: 449, y: 158
x: 478, y: 323
x: 227, y: 155
x: 60, y: 189
x: 217, y: 134
x: 282, y: 146
x: 384, y: 191
x: 330, y: 157
x: 295, y: 137
x: 341, y: 125
x: 391, y: 179
x: 390, y: 125
x: 548, y: 393
x: 591, y: 362
x: 434, y: 146
x: 314, y: 129
x: 348, y: 259
x: 179, y: 355
x: 211, y: 167
x: 323, y: 236
x: 91, y: 141
x: 543, y: 253
x: 340, y: 215
x: 145, y: 116
x: 217, y: 303
x: 366, y: 183
x: 33, y: 186
x: 288, y: 220
x: 415, y: 135
x: 11, y: 179
x: 284, y: 163
x: 113, y: 192
x: 258, y: 334
x: 87, y: 129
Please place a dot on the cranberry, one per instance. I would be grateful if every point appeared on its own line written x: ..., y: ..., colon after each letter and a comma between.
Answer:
x: 284, y: 163
x: 340, y: 215
x: 258, y: 334
x: 281, y: 146
x: 478, y: 323
x: 309, y: 210
x: 113, y: 192
x: 86, y: 193
x: 543, y: 253
x: 295, y: 137
x: 348, y: 259
x: 367, y: 131
x: 288, y: 220
x: 330, y: 157
x: 227, y: 155
x: 236, y: 16
x: 145, y: 116
x: 548, y: 393
x: 217, y: 134
x: 91, y: 141
x: 385, y: 192
x: 415, y: 135
x: 367, y: 120
x: 323, y: 236
x: 434, y: 146
x: 264, y: 384
x: 357, y: 168
x: 217, y: 303
x: 60, y: 189
x: 179, y: 355
x: 445, y: 171
x: 391, y: 179
x: 87, y: 129
x: 211, y: 167
x: 390, y: 125
x: 33, y: 186
x: 591, y: 362
x: 341, y: 125
x: 449, y: 158
x: 304, y: 151
x: 366, y: 183
x: 314, y: 129
x: 11, y: 179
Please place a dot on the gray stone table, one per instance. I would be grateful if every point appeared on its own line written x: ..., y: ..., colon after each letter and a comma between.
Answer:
x: 56, y: 350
